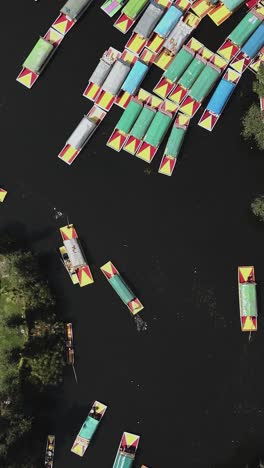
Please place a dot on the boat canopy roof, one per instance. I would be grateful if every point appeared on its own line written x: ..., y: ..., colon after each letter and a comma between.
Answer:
x: 168, y: 21
x: 233, y: 4
x: 248, y: 299
x: 121, y: 289
x: 178, y: 36
x: 244, y: 29
x: 38, y: 56
x: 149, y: 20
x: 135, y: 77
x: 100, y: 73
x: 133, y: 8
x: 175, y: 141
x: 81, y: 133
x: 192, y: 72
x: 88, y: 428
x: 179, y: 64
x: 204, y: 83
x: 255, y: 42
x: 74, y: 8
x: 74, y: 252
x: 129, y: 116
x: 220, y: 96
x: 116, y: 77
x: 143, y: 122
x: 157, y: 129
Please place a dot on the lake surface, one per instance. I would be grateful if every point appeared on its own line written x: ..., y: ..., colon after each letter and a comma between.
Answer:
x: 191, y: 385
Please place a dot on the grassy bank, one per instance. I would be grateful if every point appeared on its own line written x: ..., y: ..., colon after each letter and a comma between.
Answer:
x: 31, y: 349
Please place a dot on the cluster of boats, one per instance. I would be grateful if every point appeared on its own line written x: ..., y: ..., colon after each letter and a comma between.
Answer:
x: 126, y: 451
x: 79, y: 271
x: 190, y: 71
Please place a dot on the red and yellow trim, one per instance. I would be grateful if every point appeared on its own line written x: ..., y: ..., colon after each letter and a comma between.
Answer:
x: 136, y: 43
x: 123, y: 23
x: 63, y: 24
x: 3, y: 194
x: 68, y: 154
x: 68, y: 232
x: 92, y: 91
x: 27, y: 78
x: 219, y: 14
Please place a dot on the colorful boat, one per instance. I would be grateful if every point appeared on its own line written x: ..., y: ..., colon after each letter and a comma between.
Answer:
x: 129, y: 15
x: 123, y: 127
x: 224, y: 10
x: 37, y: 60
x: 200, y: 89
x: 176, y: 39
x: 111, y: 7
x: 201, y: 8
x: 240, y: 34
x: 45, y: 47
x: 257, y: 61
x: 81, y: 135
x: 150, y: 105
x: 132, y: 83
x: 73, y: 257
x: 112, y: 85
x: 249, y: 50
x: 247, y: 298
x: 100, y: 73
x: 88, y: 428
x: 188, y: 78
x: 121, y: 288
x: 219, y: 99
x: 174, y: 72
x: 50, y: 449
x: 174, y: 145
x: 69, y: 343
x: 126, y: 451
x: 3, y: 194
x: 164, y: 27
x: 139, y: 129
x: 74, y: 9
x: 145, y: 27
x: 154, y: 135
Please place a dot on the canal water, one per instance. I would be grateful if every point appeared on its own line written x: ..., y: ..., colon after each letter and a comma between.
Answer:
x: 191, y: 385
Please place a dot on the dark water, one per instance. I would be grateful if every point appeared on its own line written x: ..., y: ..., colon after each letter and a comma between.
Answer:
x: 191, y: 385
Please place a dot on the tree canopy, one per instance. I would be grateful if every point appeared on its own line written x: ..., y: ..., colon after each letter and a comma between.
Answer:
x: 253, y: 120
x: 31, y: 345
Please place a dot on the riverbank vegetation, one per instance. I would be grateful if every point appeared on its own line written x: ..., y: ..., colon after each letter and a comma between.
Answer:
x: 253, y: 120
x: 257, y: 207
x: 31, y: 347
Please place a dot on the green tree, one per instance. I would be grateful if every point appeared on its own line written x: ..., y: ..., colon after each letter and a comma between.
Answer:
x: 253, y: 122
x: 258, y: 85
x: 31, y: 348
x: 257, y: 207
x: 46, y: 367
x: 253, y: 126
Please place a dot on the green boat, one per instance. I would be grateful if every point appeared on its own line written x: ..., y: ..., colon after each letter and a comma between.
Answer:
x: 39, y: 56
x: 244, y: 29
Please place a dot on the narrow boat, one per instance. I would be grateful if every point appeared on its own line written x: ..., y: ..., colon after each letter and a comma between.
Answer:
x: 50, y: 448
x: 247, y: 298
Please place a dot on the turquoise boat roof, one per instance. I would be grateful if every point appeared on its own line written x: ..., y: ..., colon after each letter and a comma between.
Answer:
x: 88, y: 428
